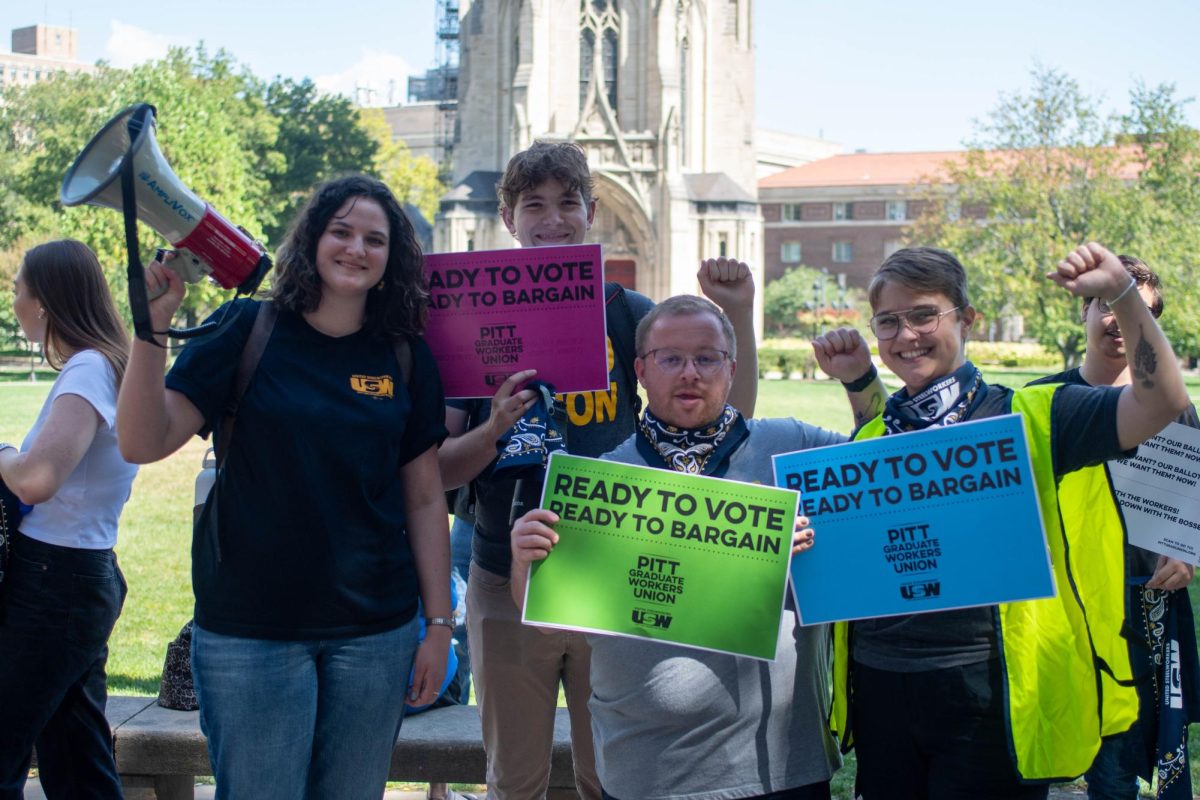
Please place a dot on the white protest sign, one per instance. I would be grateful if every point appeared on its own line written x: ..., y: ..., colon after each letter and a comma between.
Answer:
x: 1159, y: 492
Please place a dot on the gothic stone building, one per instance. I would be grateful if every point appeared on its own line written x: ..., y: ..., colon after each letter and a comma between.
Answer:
x: 659, y: 93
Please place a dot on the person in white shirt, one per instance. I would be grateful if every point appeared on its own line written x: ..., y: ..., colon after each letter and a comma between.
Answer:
x: 62, y: 590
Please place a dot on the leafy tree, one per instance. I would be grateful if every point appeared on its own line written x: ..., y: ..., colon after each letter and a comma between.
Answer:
x: 1048, y: 173
x: 320, y: 136
x: 252, y: 150
x: 212, y: 127
x: 804, y: 299
x: 413, y: 179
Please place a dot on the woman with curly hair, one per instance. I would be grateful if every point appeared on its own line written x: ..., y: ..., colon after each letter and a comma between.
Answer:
x: 62, y: 591
x: 331, y: 521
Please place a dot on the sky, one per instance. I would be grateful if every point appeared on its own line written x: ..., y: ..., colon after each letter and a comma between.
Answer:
x: 868, y: 74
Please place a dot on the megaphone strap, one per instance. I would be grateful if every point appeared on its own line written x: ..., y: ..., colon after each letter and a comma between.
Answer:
x: 139, y: 304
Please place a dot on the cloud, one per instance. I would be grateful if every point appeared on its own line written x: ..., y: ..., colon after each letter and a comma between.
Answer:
x: 376, y: 79
x: 129, y: 45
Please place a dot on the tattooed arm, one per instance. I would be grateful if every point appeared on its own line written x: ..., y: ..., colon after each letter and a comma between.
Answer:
x: 1157, y: 394
x: 845, y: 355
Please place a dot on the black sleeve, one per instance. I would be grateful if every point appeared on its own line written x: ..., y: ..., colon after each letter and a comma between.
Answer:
x: 205, y: 370
x: 1083, y: 427
x: 639, y: 304
x: 426, y: 424
x: 1189, y: 417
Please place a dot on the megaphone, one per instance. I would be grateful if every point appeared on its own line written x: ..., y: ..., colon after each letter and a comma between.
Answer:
x: 122, y: 168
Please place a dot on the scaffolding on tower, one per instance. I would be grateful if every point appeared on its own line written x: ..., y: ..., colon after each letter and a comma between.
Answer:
x: 447, y: 95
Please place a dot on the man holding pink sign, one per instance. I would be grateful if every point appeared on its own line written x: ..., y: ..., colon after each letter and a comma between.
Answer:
x: 546, y: 200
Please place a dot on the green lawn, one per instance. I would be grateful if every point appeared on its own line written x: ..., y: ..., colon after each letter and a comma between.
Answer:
x: 156, y: 528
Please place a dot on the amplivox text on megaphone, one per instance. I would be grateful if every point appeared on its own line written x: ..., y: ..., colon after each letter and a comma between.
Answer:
x: 123, y: 168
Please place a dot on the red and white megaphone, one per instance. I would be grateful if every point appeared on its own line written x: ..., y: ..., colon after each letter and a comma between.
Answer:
x: 122, y: 168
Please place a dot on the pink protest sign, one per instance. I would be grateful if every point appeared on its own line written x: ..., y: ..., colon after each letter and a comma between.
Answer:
x: 496, y: 312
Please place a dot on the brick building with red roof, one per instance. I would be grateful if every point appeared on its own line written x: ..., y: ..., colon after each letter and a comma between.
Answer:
x: 847, y: 213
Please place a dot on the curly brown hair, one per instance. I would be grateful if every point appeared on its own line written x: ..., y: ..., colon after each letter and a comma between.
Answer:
x: 401, y: 306
x: 564, y: 161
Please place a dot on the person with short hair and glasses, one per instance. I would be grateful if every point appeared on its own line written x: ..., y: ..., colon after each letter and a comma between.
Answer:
x: 990, y: 702
x: 679, y: 722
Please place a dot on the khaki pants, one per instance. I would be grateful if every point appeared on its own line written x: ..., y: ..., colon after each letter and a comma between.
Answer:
x: 517, y: 670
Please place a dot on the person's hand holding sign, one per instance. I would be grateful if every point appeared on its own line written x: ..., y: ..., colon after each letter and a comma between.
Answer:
x: 804, y: 536
x: 532, y: 539
x: 509, y: 405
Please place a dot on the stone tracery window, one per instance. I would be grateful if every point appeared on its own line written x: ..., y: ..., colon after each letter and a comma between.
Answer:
x: 599, y: 24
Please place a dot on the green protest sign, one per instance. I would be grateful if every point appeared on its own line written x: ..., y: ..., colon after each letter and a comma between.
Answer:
x: 663, y: 555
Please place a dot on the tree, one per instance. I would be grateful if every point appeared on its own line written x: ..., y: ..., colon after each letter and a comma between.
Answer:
x: 1049, y: 173
x: 320, y: 136
x: 413, y: 179
x: 212, y: 127
x: 251, y: 150
x: 803, y: 299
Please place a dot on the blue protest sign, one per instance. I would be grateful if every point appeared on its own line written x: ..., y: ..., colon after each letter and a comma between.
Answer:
x: 925, y: 521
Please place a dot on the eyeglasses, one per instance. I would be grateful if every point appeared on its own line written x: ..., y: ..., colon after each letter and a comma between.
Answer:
x: 922, y: 319
x: 1105, y: 311
x: 673, y: 362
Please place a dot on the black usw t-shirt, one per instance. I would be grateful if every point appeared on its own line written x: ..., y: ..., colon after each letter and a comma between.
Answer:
x: 311, y: 538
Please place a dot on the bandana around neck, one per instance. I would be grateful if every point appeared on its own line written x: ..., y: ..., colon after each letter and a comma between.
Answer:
x: 687, y: 449
x: 944, y: 402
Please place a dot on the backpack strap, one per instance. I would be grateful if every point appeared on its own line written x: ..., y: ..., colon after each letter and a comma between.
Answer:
x: 622, y: 325
x: 404, y: 358
x: 252, y: 351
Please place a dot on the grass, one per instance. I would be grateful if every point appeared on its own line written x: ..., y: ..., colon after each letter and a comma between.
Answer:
x: 155, y: 539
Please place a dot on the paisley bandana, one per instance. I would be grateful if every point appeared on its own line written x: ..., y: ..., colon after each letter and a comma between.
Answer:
x: 944, y: 402
x: 684, y: 449
x: 529, y: 443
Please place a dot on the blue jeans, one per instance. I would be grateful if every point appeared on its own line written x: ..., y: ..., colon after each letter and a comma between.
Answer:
x: 1113, y: 775
x: 58, y: 606
x: 302, y: 719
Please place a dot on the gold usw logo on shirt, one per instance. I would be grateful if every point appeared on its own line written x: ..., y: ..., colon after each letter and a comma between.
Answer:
x: 372, y: 385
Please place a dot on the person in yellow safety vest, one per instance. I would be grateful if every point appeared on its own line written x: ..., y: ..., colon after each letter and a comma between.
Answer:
x: 987, y: 702
x: 1084, y: 499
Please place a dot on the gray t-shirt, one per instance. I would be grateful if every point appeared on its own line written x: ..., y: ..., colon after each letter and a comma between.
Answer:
x: 677, y: 722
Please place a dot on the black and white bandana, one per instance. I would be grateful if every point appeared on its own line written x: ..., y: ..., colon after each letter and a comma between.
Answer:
x: 687, y: 449
x: 944, y: 402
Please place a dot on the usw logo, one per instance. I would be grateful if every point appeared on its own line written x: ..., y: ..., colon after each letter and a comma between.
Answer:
x: 921, y: 590
x: 652, y: 619
x: 372, y: 385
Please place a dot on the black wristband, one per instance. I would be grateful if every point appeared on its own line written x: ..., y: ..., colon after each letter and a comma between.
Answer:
x: 862, y: 383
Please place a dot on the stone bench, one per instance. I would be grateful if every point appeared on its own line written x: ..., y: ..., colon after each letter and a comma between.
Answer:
x: 159, y: 752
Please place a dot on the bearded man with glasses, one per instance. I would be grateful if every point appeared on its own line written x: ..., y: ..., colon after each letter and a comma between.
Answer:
x: 678, y: 722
